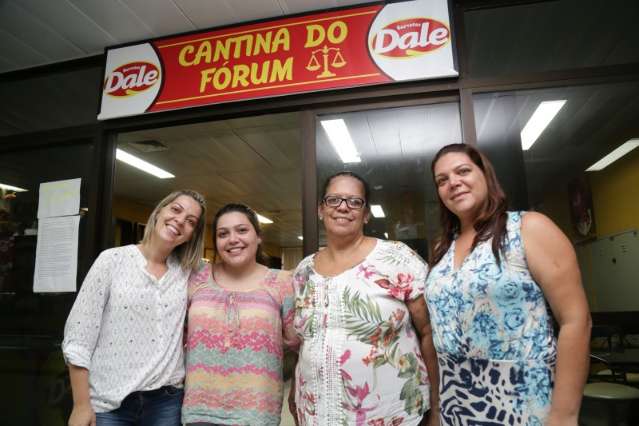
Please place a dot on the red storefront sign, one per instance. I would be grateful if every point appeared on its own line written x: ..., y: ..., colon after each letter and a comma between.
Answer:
x: 329, y: 50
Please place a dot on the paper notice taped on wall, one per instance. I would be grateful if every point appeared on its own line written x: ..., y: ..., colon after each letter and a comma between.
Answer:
x: 59, y: 198
x: 56, y: 255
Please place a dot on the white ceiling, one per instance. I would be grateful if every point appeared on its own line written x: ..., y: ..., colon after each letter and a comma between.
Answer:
x: 252, y: 160
x: 40, y: 32
x: 258, y: 160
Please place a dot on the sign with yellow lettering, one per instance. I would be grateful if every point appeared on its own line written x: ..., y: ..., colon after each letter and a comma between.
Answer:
x: 373, y: 44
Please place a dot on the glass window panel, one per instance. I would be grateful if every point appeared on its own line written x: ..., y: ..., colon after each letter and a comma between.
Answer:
x: 597, y: 210
x: 35, y: 385
x: 396, y: 146
x: 551, y: 35
x: 252, y: 160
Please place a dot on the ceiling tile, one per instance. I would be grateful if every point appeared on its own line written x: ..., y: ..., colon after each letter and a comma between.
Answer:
x: 280, y: 147
x: 18, y: 52
x: 115, y: 18
x: 288, y: 119
x: 71, y: 23
x: 35, y: 33
x: 256, y: 9
x: 206, y: 14
x: 299, y: 6
x: 385, y: 135
x: 7, y: 63
x: 342, y: 3
x: 163, y: 17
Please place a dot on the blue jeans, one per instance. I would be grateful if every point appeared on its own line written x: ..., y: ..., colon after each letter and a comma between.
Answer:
x: 160, y: 407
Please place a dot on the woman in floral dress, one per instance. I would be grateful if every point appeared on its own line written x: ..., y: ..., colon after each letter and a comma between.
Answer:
x: 366, y: 354
x: 492, y: 273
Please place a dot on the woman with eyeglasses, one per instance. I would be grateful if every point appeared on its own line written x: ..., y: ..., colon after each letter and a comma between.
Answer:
x: 240, y: 318
x: 366, y: 353
x: 492, y: 273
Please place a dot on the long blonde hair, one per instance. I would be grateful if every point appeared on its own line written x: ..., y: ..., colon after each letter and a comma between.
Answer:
x: 190, y: 252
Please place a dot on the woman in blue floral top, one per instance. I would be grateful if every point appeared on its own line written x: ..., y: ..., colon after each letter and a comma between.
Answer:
x: 492, y: 273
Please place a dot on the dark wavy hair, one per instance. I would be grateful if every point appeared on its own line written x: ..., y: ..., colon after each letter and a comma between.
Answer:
x: 250, y: 215
x: 491, y: 220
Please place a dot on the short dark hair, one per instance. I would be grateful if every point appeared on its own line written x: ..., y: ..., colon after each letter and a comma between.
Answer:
x: 491, y: 221
x: 354, y: 175
x: 250, y: 215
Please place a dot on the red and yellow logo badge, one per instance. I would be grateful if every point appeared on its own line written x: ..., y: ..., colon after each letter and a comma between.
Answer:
x: 410, y: 37
x: 131, y: 79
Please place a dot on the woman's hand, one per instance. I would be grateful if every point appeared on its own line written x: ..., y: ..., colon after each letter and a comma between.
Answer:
x: 431, y: 418
x: 82, y: 415
x: 555, y: 419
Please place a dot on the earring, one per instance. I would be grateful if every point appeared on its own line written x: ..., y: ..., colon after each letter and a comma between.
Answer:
x: 321, y: 217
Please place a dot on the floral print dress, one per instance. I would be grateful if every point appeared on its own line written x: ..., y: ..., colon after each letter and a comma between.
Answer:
x: 360, y: 362
x: 493, y: 335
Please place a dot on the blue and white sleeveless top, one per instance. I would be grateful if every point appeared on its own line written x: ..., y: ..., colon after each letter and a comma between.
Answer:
x: 493, y: 335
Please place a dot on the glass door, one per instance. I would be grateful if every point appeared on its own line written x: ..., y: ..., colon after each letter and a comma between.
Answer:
x: 392, y: 149
x: 250, y: 160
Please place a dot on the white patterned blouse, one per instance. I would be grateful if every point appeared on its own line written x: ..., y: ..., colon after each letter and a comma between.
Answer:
x: 126, y: 327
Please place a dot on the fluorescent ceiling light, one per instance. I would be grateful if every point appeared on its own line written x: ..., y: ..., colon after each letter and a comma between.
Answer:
x: 540, y: 119
x: 263, y: 219
x: 138, y: 163
x: 12, y: 188
x: 299, y: 237
x: 614, y: 155
x: 341, y: 140
x: 386, y: 235
x: 377, y: 210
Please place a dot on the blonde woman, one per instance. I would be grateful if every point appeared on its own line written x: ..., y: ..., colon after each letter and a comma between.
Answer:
x: 123, y: 340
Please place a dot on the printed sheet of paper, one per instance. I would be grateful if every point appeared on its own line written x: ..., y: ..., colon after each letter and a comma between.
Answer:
x: 59, y: 198
x: 56, y: 263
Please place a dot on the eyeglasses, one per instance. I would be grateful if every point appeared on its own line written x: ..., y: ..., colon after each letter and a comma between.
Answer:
x: 352, y: 203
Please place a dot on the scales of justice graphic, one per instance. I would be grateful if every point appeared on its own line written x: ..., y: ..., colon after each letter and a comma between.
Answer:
x: 332, y: 54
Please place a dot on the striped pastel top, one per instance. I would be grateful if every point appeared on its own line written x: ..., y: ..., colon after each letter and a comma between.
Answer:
x: 234, y: 350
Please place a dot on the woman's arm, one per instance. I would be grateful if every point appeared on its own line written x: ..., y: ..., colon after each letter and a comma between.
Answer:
x: 290, y: 339
x: 553, y: 264
x: 421, y: 321
x: 82, y: 413
x: 82, y: 328
x: 81, y: 333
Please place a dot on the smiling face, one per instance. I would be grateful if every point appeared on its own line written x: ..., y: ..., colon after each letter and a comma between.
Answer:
x: 461, y: 185
x: 177, y: 221
x: 236, y: 239
x: 343, y: 220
